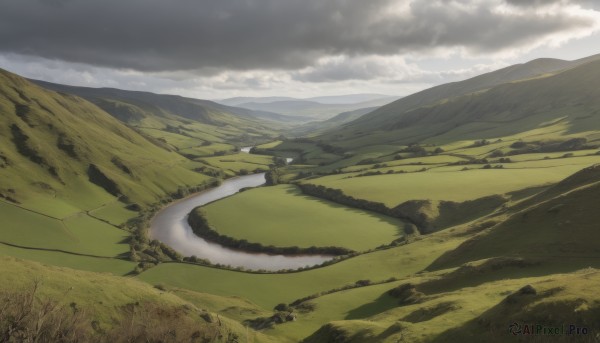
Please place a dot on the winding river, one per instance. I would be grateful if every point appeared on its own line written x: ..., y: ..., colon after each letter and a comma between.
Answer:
x: 170, y: 226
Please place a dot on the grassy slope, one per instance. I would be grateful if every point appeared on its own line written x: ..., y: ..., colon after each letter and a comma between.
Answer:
x: 54, y: 258
x: 454, y: 185
x: 318, y: 127
x: 233, y: 164
x: 79, y: 234
x: 104, y: 296
x: 193, y: 122
x: 269, y: 290
x: 406, y: 110
x: 472, y: 314
x: 546, y: 235
x: 283, y: 216
x: 87, y: 135
x: 48, y: 142
x: 558, y: 224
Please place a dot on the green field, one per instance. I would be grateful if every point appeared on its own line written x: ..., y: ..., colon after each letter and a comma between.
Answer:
x: 269, y: 290
x: 452, y: 185
x: 105, y: 299
x: 283, y: 216
x: 239, y: 163
x: 115, y: 213
x: 79, y: 234
x: 53, y: 258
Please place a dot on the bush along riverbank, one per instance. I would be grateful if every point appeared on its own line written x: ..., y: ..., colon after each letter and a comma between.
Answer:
x: 201, y: 228
x: 149, y: 252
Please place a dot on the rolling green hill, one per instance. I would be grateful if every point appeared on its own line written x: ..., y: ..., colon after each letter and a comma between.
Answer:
x: 64, y: 154
x: 559, y: 225
x: 69, y: 305
x: 478, y: 107
x: 72, y: 175
x: 182, y: 122
x: 315, y: 128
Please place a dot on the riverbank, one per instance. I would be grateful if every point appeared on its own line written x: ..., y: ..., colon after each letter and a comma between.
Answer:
x: 170, y: 226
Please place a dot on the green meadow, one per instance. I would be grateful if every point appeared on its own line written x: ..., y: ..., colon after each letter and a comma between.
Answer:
x: 267, y: 290
x: 54, y: 258
x: 453, y: 185
x: 78, y: 234
x: 235, y: 164
x: 283, y: 216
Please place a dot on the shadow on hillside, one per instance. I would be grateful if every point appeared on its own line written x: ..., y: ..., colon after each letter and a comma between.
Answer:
x: 507, y: 320
x: 500, y: 268
x: 381, y: 304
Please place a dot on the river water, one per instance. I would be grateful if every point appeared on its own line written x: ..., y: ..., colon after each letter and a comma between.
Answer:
x: 171, y: 227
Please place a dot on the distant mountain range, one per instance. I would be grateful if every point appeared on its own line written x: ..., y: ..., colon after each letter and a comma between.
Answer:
x: 325, y: 100
x: 316, y: 108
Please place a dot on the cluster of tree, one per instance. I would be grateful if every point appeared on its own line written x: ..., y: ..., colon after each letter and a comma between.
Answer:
x: 471, y: 161
x: 201, y: 228
x: 272, y: 176
x: 278, y: 317
x: 489, y: 166
x: 414, y: 149
x: 209, y: 171
x: 391, y: 171
x: 180, y: 130
x: 328, y: 148
x: 480, y: 143
x: 378, y: 172
x: 151, y: 252
x: 572, y: 144
x: 338, y: 196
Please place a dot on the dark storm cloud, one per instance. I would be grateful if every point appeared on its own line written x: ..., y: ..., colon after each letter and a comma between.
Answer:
x: 160, y: 35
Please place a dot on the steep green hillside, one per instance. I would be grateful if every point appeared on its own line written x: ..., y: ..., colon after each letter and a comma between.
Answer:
x: 559, y: 224
x: 534, y: 263
x: 476, y: 107
x: 318, y: 127
x: 182, y: 122
x: 72, y: 175
x: 79, y: 306
x: 61, y: 154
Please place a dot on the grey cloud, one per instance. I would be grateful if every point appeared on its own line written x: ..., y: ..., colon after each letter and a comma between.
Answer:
x: 209, y: 35
x: 533, y: 3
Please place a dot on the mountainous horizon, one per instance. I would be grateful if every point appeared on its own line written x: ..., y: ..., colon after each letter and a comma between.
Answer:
x: 331, y: 99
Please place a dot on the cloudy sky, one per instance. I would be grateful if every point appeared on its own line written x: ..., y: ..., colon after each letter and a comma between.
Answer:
x: 223, y: 48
